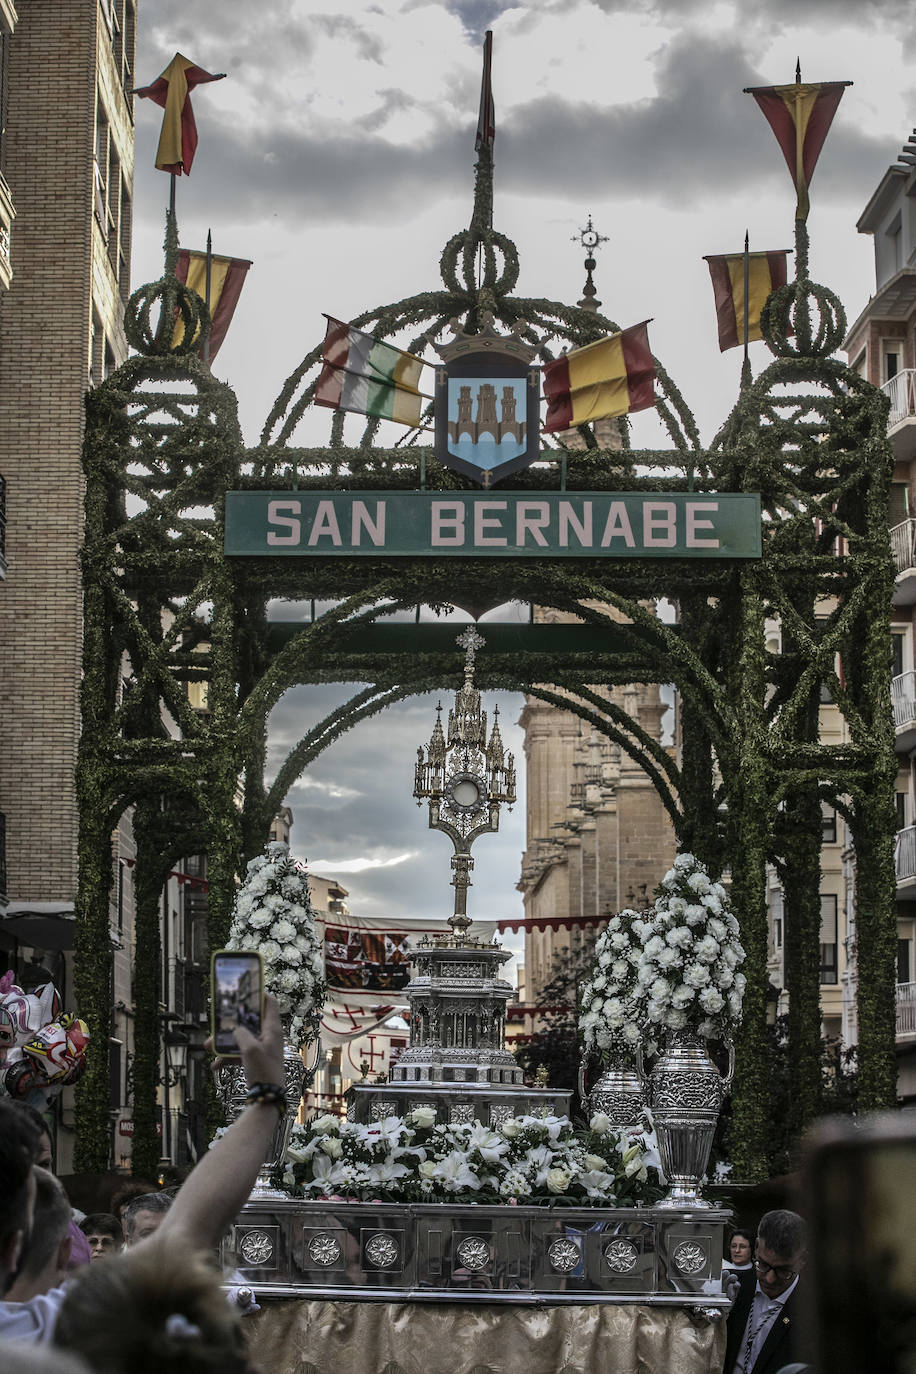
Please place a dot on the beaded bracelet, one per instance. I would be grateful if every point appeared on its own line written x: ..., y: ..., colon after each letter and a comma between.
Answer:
x: 272, y: 1094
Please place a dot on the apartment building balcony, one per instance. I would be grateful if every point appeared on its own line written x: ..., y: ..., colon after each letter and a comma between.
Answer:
x: 901, y: 422
x: 903, y: 699
x: 906, y: 1011
x: 905, y: 862
x: 903, y: 546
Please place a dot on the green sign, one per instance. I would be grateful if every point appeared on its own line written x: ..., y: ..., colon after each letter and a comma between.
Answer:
x: 512, y: 524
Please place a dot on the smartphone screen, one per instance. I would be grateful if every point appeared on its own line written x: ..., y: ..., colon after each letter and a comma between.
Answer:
x: 237, y: 997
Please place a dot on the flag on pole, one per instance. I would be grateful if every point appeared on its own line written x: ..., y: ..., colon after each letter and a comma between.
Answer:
x: 800, y: 116
x: 172, y: 90
x: 486, y: 120
x: 766, y: 271
x: 610, y: 377
x: 366, y: 375
x: 227, y: 277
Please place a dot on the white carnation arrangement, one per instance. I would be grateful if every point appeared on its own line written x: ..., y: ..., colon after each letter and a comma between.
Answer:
x: 675, y: 967
x: 610, y: 1013
x: 273, y: 914
x: 689, y: 975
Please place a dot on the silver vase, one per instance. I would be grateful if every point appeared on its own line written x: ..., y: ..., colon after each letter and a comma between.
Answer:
x: 618, y: 1093
x: 685, y: 1092
x: 232, y: 1089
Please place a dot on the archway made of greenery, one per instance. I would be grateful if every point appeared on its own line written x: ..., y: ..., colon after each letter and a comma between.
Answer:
x: 166, y: 610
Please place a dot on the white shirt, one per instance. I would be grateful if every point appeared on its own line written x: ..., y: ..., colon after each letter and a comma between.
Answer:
x: 760, y: 1322
x: 31, y: 1321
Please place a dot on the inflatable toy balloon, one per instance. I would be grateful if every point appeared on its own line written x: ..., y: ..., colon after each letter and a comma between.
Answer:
x: 58, y: 1050
x: 20, y: 1079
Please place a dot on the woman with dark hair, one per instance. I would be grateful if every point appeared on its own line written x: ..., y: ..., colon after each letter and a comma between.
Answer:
x: 740, y: 1249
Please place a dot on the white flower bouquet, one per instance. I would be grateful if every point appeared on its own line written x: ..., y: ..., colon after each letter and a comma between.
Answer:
x: 273, y: 914
x: 611, y: 1014
x: 526, y: 1160
x: 689, y: 975
x: 675, y: 967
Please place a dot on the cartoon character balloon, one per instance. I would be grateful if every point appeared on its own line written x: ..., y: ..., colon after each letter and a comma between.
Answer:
x: 43, y: 1050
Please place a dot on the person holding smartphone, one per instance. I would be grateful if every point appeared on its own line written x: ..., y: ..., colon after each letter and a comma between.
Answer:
x: 205, y: 1206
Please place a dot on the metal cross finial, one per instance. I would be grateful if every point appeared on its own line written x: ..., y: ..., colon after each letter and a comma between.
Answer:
x: 589, y: 237
x: 470, y: 641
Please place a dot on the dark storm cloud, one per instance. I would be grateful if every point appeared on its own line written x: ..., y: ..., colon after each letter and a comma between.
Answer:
x: 697, y: 135
x: 700, y: 133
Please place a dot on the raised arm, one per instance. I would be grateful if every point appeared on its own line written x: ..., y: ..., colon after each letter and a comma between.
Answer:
x: 217, y: 1188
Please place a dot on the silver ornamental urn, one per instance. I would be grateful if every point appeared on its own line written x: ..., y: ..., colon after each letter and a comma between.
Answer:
x: 685, y: 1092
x: 617, y: 1092
x: 232, y: 1089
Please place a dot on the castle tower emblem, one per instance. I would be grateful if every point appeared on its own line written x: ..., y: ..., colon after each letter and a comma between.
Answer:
x: 487, y: 404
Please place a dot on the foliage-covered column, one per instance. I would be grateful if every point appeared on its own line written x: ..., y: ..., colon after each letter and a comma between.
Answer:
x: 148, y: 880
x: 799, y: 871
x: 749, y: 803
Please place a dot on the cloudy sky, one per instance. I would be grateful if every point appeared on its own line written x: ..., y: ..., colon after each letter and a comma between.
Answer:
x: 338, y: 155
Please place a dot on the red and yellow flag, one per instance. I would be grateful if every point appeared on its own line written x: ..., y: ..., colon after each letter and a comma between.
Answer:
x: 172, y: 90
x: 765, y: 272
x: 610, y: 377
x: 227, y: 277
x: 800, y: 116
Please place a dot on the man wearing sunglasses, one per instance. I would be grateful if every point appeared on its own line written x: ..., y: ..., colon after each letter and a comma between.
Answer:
x: 765, y: 1330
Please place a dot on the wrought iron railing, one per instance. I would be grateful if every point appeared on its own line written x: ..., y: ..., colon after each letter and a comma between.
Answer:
x: 901, y: 389
x: 903, y: 697
x: 906, y: 1008
x: 905, y: 853
x: 903, y: 543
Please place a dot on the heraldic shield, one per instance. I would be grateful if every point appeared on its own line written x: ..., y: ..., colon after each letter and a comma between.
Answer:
x: 487, y: 405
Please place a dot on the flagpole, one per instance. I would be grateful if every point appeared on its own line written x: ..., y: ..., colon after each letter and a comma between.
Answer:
x: 746, y: 365
x: 207, y: 295
x: 747, y: 284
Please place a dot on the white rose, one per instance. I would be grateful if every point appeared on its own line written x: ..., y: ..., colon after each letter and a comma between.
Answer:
x: 427, y: 1168
x: 332, y: 1147
x: 558, y: 1180
x: 510, y: 1129
x: 322, y: 1124
x: 423, y: 1116
x: 600, y: 1124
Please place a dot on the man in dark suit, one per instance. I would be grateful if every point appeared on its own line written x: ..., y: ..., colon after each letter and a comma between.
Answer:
x: 765, y: 1329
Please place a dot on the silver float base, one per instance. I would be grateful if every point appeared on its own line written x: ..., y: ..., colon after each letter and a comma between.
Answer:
x: 438, y: 1252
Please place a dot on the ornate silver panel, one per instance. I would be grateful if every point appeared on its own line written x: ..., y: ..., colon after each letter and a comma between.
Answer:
x: 473, y: 1253
x: 690, y: 1257
x: 484, y: 1253
x: 382, y: 1108
x: 383, y: 1250
x: 323, y: 1247
x: 621, y: 1256
x: 257, y: 1247
x: 462, y: 1113
x: 564, y: 1255
x: 500, y: 1113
